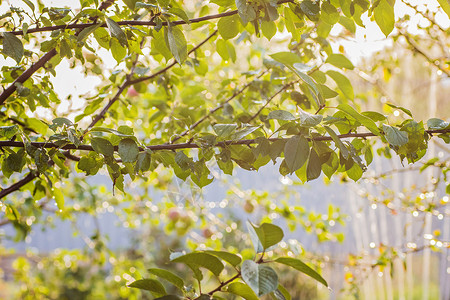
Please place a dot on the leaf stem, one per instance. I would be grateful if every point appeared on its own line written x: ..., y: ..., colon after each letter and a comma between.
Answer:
x: 225, y: 283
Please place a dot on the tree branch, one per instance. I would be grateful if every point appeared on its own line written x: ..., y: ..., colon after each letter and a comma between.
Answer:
x: 192, y: 146
x: 133, y: 22
x: 30, y: 176
x: 123, y: 23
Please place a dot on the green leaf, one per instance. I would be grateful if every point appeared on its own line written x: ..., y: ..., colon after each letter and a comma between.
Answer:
x: 329, y: 13
x: 151, y: 285
x: 59, y: 198
x: 224, y: 130
x: 238, y: 135
x: 302, y: 267
x: 130, y: 3
x: 384, y: 16
x: 243, y: 290
x: 169, y: 276
x: 365, y: 121
x: 290, y: 19
x: 435, y: 123
x: 110, y: 130
x: 269, y: 29
x: 261, y: 279
x: 221, y: 47
x: 169, y: 297
x: 406, y: 111
x: 128, y: 150
x: 148, y: 6
x: 102, y: 146
x: 87, y: 31
x: 143, y: 162
x: 375, y: 116
x: 268, y: 234
x: 310, y: 8
x: 201, y: 259
x: 90, y: 164
x: 394, y: 136
x: 102, y: 37
x: 183, y: 161
x: 282, y: 293
x: 15, y: 161
x: 327, y: 92
x: 177, y: 43
x: 117, y: 50
x: 337, y: 141
x: 117, y: 32
x: 300, y: 70
x: 8, y: 131
x: 309, y: 120
x: 57, y: 13
x: 230, y: 258
x: 30, y: 4
x: 296, y: 152
x: 180, y: 13
x: 339, y: 61
x: 286, y: 58
x: 445, y: 5
x: 281, y: 115
x: 348, y: 23
x: 12, y: 46
x: 268, y: 280
x: 228, y: 26
x: 314, y: 167
x: 254, y: 238
x: 343, y: 83
x: 246, y: 11
x: 355, y: 172
x: 64, y: 49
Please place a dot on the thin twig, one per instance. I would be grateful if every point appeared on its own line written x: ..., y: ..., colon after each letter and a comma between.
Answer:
x: 223, y: 284
x: 284, y: 87
x: 212, y: 111
x: 435, y: 62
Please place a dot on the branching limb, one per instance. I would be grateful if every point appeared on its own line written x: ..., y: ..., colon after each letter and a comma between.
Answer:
x: 194, y: 146
x: 31, y: 70
x: 128, y: 81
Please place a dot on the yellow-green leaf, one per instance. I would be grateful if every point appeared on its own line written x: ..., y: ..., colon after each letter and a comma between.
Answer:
x: 384, y: 16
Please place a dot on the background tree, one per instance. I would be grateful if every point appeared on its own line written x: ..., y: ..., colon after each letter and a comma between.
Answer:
x: 191, y: 90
